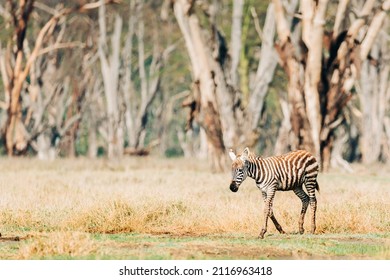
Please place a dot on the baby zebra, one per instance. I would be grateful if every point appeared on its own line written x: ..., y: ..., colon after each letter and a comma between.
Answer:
x: 279, y: 173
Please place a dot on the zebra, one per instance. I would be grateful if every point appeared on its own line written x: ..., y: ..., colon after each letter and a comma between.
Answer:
x: 279, y: 173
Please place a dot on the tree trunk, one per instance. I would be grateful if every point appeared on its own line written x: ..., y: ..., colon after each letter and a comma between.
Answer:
x: 211, y: 93
x: 283, y: 141
x: 265, y: 71
x: 313, y: 20
x: 236, y: 34
x: 295, y: 87
x: 110, y: 72
x: 94, y: 114
x: 374, y: 85
x: 17, y: 75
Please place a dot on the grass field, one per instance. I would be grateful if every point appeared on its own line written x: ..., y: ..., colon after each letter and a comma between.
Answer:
x: 148, y: 208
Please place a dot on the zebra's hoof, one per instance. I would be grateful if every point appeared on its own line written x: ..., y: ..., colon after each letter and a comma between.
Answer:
x: 261, y: 235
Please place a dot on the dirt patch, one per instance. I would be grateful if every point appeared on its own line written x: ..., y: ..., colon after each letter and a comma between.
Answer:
x: 279, y: 247
x: 192, y: 246
x: 216, y: 251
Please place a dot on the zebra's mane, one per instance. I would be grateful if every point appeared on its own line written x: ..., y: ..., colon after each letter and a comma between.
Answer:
x: 252, y: 156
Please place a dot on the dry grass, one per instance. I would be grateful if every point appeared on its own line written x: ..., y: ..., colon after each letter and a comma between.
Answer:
x: 72, y: 244
x: 69, y: 199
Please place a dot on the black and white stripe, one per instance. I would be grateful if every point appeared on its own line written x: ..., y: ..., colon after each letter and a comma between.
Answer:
x: 288, y: 172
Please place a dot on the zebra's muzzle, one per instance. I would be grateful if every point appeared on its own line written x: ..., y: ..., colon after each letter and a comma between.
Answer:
x: 233, y: 187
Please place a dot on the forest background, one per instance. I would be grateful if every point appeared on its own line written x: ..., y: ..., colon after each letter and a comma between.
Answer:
x: 195, y: 78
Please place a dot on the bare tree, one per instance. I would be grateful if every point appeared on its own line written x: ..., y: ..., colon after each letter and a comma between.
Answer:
x: 127, y: 106
x: 265, y: 70
x: 213, y: 96
x: 138, y: 105
x: 55, y: 95
x: 374, y: 93
x: 319, y: 86
x: 17, y: 64
x: 216, y: 100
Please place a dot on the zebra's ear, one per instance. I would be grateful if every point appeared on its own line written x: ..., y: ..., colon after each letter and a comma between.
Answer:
x: 232, y: 155
x: 245, y: 154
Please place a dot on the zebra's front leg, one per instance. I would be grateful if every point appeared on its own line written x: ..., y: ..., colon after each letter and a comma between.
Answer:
x: 268, y: 212
x: 267, y: 206
x: 272, y: 216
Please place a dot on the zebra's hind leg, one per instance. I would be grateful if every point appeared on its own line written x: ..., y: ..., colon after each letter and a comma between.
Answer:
x: 305, y: 203
x: 313, y: 208
x: 311, y: 187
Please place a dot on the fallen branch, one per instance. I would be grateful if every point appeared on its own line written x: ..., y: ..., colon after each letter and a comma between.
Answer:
x: 141, y: 151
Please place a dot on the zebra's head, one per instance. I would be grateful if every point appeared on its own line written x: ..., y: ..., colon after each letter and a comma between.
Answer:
x: 239, y: 168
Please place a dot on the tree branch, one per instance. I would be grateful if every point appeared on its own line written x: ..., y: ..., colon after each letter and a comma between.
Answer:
x: 340, y: 15
x: 64, y: 45
x: 373, y: 30
x: 256, y: 21
x: 282, y: 26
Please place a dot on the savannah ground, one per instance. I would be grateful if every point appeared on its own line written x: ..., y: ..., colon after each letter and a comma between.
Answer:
x: 149, y: 208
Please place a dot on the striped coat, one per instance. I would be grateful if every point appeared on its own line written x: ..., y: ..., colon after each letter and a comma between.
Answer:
x: 288, y: 172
